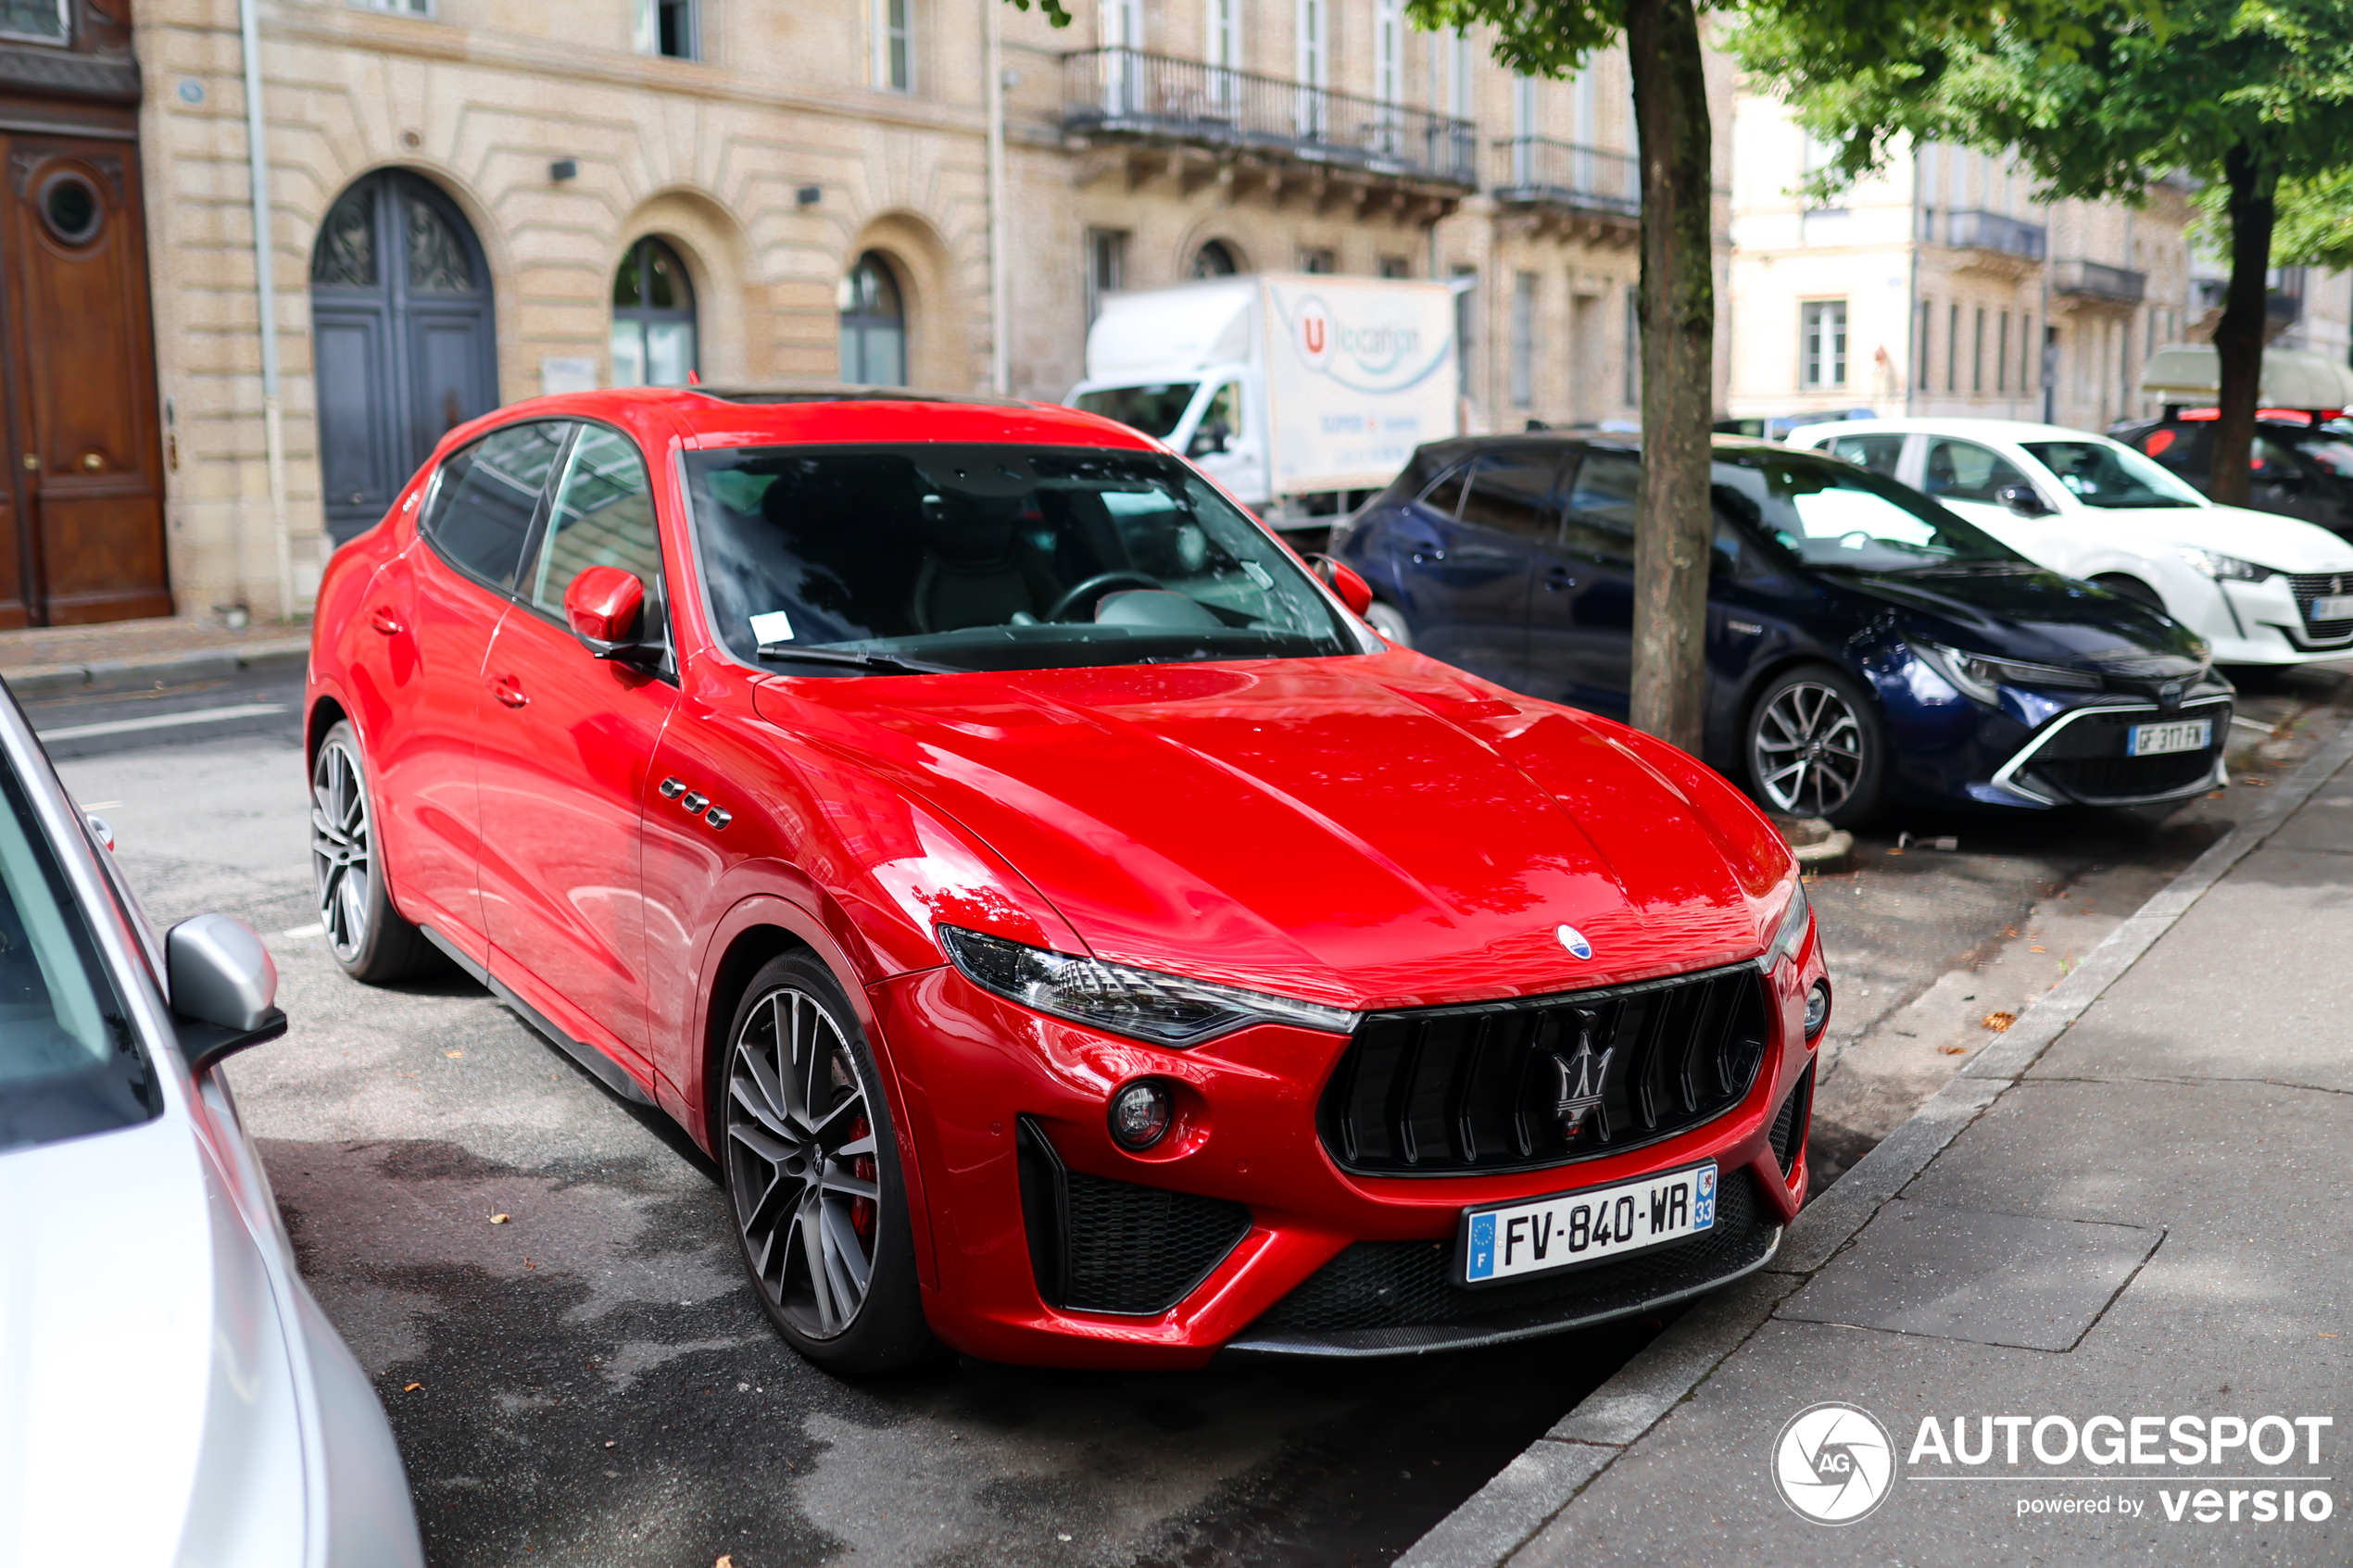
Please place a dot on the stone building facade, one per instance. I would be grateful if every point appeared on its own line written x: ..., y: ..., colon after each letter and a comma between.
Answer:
x: 461, y: 194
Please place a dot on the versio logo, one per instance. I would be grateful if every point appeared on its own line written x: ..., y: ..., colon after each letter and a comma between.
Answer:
x: 1834, y: 1463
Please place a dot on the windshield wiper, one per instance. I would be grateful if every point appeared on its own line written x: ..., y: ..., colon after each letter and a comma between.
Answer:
x: 881, y: 663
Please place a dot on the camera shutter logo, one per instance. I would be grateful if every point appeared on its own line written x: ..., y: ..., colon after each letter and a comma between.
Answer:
x: 1834, y: 1463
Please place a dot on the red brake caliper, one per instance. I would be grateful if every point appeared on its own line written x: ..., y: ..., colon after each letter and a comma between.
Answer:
x: 861, y: 1210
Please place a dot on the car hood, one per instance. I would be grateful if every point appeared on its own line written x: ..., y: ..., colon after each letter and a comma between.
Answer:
x: 143, y: 1385
x: 2027, y: 613
x: 2284, y: 543
x: 1361, y: 831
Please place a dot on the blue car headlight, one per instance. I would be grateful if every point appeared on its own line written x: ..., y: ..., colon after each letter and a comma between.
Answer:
x: 1981, y: 675
x: 1146, y: 1004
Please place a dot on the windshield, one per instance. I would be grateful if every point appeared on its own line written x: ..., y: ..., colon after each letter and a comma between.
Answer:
x: 1155, y: 410
x: 992, y: 557
x: 68, y: 1065
x: 2106, y: 474
x: 1830, y: 513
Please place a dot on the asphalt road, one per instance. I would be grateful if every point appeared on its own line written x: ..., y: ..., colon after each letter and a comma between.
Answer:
x: 589, y: 1381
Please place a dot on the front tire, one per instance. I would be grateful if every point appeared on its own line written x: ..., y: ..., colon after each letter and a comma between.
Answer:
x: 365, y: 932
x: 1815, y: 746
x: 814, y: 1178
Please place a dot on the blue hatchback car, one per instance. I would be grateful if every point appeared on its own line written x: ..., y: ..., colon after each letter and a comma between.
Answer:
x: 1864, y: 643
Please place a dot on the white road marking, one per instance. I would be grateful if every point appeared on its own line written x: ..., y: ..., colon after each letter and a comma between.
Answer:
x: 164, y: 721
x: 2250, y: 723
x: 297, y: 933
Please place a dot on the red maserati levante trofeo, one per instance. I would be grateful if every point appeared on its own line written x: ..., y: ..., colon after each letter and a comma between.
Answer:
x: 1079, y: 939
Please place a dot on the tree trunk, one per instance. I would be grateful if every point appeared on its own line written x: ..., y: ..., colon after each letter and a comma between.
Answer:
x: 1678, y: 308
x: 2238, y: 336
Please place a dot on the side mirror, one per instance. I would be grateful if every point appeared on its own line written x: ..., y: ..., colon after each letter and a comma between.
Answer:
x: 1211, y: 438
x: 224, y: 988
x: 2021, y: 500
x: 604, y: 606
x: 1354, y: 591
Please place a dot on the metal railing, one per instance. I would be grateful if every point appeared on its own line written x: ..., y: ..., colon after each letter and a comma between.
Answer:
x: 1541, y: 171
x: 2099, y: 281
x: 1133, y: 91
x: 1974, y: 229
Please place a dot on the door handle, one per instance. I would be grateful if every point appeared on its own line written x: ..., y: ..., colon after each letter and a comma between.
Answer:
x: 1423, y: 557
x: 385, y: 621
x: 1558, y: 579
x: 510, y: 691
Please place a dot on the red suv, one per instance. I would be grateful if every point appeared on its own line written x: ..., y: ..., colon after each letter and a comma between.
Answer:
x: 1076, y: 935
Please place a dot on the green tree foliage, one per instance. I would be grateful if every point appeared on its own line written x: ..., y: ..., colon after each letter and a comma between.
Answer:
x: 2314, y: 226
x: 2246, y: 93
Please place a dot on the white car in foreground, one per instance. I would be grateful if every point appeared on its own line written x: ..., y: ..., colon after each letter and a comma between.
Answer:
x: 170, y: 1393
x: 2260, y: 589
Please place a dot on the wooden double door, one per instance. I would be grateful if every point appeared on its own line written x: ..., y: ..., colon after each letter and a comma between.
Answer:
x: 82, y: 524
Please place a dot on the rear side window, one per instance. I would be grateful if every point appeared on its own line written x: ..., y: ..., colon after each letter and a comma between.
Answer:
x: 69, y: 1065
x: 1511, y: 493
x: 1601, y: 506
x: 487, y: 496
x: 1877, y: 453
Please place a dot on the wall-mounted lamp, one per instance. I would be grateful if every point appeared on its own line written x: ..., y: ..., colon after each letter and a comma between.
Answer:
x: 810, y: 195
x: 564, y: 169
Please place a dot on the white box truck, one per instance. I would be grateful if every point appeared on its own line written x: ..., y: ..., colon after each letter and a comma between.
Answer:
x: 1296, y: 391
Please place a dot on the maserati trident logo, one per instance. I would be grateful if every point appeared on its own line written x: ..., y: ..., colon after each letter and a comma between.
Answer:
x: 1576, y: 1085
x: 1574, y: 940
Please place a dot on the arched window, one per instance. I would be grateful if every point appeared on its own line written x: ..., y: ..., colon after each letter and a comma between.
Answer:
x: 653, y: 318
x: 874, y: 325
x: 1215, y: 259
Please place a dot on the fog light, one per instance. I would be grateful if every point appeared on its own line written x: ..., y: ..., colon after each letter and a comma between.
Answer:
x: 1139, y: 1114
x: 1818, y: 1008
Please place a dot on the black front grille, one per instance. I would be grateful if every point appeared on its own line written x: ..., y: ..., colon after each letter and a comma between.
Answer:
x: 1406, y: 1285
x: 1796, y: 1115
x: 1102, y: 1246
x: 2310, y: 586
x: 2095, y: 780
x: 1515, y: 1086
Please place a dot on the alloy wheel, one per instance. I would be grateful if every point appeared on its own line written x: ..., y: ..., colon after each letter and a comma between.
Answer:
x: 342, y: 856
x: 802, y: 1161
x: 1808, y: 746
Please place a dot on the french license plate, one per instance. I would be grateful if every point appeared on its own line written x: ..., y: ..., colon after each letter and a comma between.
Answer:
x: 1540, y: 1234
x: 2336, y: 608
x: 2156, y: 740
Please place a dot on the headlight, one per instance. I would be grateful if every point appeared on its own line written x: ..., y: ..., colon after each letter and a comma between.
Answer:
x: 1981, y: 675
x: 1167, y: 1009
x: 2220, y: 567
x: 1790, y: 935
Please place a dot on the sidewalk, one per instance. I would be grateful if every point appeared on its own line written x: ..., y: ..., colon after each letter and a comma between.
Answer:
x: 43, y: 661
x: 2130, y: 1206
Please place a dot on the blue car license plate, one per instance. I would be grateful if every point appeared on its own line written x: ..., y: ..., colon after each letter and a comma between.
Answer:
x: 2179, y: 734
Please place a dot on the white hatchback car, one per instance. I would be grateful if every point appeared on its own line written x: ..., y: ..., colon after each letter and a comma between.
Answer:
x: 170, y: 1393
x: 2260, y: 589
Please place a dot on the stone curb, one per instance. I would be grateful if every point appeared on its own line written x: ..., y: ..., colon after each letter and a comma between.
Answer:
x: 163, y: 670
x: 1503, y: 1515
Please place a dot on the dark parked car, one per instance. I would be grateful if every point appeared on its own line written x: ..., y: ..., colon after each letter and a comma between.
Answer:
x: 2301, y: 466
x: 1863, y: 642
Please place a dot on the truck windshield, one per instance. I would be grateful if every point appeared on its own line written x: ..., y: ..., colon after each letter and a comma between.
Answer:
x: 887, y: 559
x: 1155, y: 410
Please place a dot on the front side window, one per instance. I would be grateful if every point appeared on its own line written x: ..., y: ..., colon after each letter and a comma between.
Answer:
x: 602, y: 515
x: 1602, y: 506
x: 1824, y: 345
x: 854, y: 560
x: 486, y: 496
x: 2108, y: 474
x: 1962, y: 471
x: 1511, y: 493
x: 69, y: 1064
x: 1156, y: 409
x: 1833, y: 514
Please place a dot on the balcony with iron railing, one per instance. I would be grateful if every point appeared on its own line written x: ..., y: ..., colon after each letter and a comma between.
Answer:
x: 1562, y: 177
x: 1975, y: 229
x: 2098, y: 280
x: 1164, y: 98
